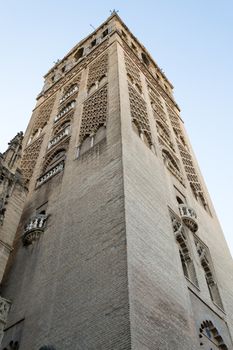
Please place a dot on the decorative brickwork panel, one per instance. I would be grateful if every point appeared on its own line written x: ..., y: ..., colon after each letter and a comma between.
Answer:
x: 175, y: 122
x: 169, y: 100
x: 94, y: 113
x: 133, y: 72
x: 190, y: 170
x: 29, y: 158
x: 160, y: 117
x: 157, y: 105
x: 139, y: 112
x: 76, y: 69
x: 97, y: 70
x: 155, y: 96
x: 43, y: 115
x: 187, y: 159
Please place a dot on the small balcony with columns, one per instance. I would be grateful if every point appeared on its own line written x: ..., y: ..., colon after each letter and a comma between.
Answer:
x: 59, y: 136
x: 189, y: 217
x: 34, y: 228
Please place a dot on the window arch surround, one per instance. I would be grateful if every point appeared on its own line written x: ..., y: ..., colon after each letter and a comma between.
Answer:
x: 167, y: 156
x: 64, y: 124
x: 53, y: 158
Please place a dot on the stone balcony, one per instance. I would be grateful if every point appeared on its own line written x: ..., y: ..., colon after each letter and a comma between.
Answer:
x: 69, y: 93
x: 34, y: 228
x: 189, y: 217
x: 60, y: 136
x: 50, y: 173
x: 64, y: 111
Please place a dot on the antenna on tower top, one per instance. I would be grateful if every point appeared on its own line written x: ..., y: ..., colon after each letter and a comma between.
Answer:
x: 92, y: 27
x: 114, y: 12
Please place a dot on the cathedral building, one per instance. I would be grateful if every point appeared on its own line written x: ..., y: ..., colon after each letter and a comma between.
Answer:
x: 117, y: 244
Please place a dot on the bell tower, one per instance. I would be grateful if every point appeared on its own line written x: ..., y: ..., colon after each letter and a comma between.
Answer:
x: 118, y: 245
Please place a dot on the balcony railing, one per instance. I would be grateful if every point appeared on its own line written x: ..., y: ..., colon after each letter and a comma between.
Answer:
x: 63, y: 133
x: 34, y: 228
x: 69, y: 93
x: 65, y: 110
x: 53, y: 171
x: 189, y: 217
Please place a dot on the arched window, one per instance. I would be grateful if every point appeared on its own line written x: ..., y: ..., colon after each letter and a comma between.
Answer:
x: 168, y: 158
x: 172, y: 165
x: 105, y: 33
x: 65, y: 124
x: 209, y: 337
x: 145, y: 59
x: 184, y: 266
x: 92, y: 139
x: 184, y: 252
x: 179, y: 200
x: 68, y: 92
x: 207, y: 265
x: 55, y: 158
x: 79, y: 53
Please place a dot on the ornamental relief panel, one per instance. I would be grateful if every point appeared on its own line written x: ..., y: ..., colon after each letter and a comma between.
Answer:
x: 97, y: 70
x: 29, y: 158
x: 94, y: 115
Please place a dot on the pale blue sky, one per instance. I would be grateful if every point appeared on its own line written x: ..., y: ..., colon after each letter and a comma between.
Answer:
x: 191, y: 40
